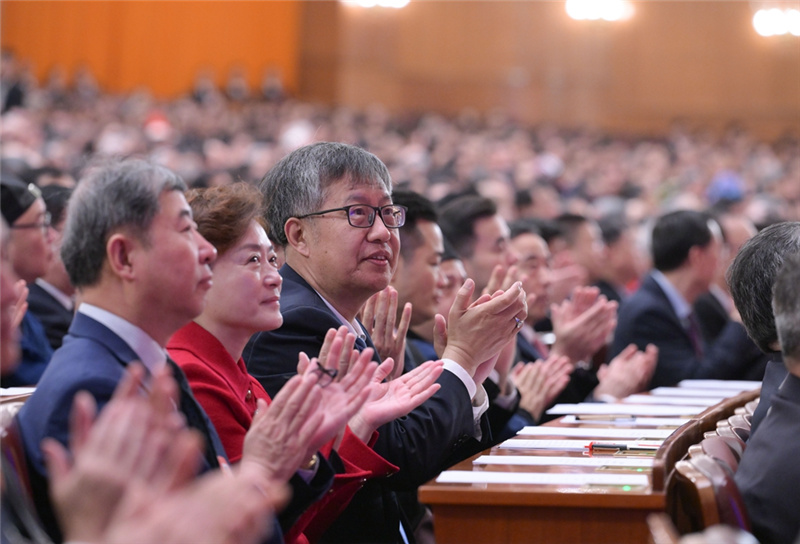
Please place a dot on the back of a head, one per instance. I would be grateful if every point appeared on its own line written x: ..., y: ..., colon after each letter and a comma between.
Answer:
x: 418, y: 208
x: 457, y: 220
x: 298, y: 183
x: 786, y: 306
x: 675, y: 234
x: 751, y: 278
x: 111, y: 196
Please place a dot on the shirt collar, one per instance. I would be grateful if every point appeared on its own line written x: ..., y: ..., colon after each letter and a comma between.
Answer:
x: 353, y: 326
x: 62, y: 298
x: 676, y: 300
x: 152, y: 356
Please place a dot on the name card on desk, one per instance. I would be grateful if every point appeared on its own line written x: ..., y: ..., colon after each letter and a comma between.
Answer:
x: 695, y: 392
x: 541, y: 478
x: 594, y: 433
x: 626, y: 421
x: 542, y: 460
x: 624, y: 409
x: 742, y: 385
x: 685, y: 401
x: 560, y: 445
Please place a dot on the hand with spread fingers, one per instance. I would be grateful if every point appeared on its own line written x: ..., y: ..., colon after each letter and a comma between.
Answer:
x: 379, y: 316
x: 389, y: 400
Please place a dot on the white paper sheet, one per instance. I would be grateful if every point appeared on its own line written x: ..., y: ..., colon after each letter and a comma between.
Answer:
x: 594, y: 433
x: 695, y: 392
x: 560, y: 445
x: 542, y: 460
x: 685, y: 401
x: 624, y: 409
x: 15, y: 391
x: 630, y: 421
x: 491, y: 477
x: 744, y: 385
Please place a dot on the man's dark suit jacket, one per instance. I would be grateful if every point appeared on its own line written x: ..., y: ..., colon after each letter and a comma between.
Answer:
x: 769, y: 474
x: 609, y: 291
x: 431, y: 438
x: 93, y: 358
x: 712, y: 318
x: 51, y: 313
x: 773, y: 378
x: 647, y: 317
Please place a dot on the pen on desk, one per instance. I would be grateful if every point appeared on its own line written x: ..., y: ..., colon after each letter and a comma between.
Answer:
x: 610, y: 446
x: 604, y: 417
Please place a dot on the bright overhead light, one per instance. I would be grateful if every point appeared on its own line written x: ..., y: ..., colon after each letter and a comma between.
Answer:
x: 397, y: 4
x: 776, y: 22
x: 593, y: 10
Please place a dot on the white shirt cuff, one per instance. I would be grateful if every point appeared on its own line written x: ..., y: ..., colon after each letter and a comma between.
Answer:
x: 462, y: 375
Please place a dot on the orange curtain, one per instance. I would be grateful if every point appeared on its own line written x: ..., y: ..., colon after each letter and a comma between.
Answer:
x: 159, y: 45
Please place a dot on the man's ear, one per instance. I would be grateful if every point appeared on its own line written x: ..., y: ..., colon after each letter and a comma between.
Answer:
x: 297, y: 235
x: 119, y: 253
x: 695, y: 255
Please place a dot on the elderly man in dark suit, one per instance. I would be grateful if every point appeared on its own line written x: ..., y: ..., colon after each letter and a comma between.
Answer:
x: 686, y: 251
x: 133, y: 251
x: 751, y: 277
x: 769, y: 475
x: 330, y: 206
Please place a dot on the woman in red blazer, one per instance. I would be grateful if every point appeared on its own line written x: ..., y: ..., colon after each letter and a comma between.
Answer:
x: 245, y: 299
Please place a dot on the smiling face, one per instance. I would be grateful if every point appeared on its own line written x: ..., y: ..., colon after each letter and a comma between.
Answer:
x: 9, y: 334
x: 247, y: 287
x: 345, y: 264
x: 173, y: 264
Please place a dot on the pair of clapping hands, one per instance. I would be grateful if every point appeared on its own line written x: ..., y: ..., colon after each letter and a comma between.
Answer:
x: 341, y: 387
x: 472, y: 335
x: 129, y: 476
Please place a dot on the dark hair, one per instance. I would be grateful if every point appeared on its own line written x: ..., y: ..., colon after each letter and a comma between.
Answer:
x: 751, y: 278
x: 675, y: 233
x: 458, y: 217
x: 524, y: 226
x: 612, y: 227
x: 56, y: 199
x: 419, y: 208
x: 569, y: 224
x: 786, y: 306
x: 224, y: 213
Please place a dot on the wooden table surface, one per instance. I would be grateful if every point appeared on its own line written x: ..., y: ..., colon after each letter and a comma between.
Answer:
x: 522, y: 513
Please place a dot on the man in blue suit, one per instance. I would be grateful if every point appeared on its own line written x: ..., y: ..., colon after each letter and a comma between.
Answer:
x: 686, y: 251
x: 331, y: 209
x: 133, y: 251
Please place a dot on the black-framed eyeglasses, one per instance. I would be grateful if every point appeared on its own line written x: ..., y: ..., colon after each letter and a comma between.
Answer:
x: 362, y: 216
x: 44, y: 224
x: 325, y: 375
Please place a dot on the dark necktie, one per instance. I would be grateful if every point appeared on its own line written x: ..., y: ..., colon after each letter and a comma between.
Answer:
x: 693, y: 329
x: 196, y: 417
x: 360, y: 344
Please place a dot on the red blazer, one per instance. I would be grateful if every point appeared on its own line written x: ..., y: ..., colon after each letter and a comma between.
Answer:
x: 228, y: 394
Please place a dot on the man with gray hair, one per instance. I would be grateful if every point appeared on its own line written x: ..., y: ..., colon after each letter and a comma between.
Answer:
x: 142, y: 269
x: 769, y: 475
x: 330, y: 206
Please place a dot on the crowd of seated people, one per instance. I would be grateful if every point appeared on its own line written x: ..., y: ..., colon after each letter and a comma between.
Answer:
x: 282, y: 301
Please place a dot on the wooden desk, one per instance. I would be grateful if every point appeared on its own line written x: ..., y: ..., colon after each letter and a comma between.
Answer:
x: 508, y: 513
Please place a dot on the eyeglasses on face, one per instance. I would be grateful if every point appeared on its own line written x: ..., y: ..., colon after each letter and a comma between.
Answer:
x: 362, y: 216
x: 44, y: 224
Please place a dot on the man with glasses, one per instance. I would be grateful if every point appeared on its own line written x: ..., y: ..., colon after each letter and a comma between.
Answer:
x: 31, y: 252
x: 330, y: 207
